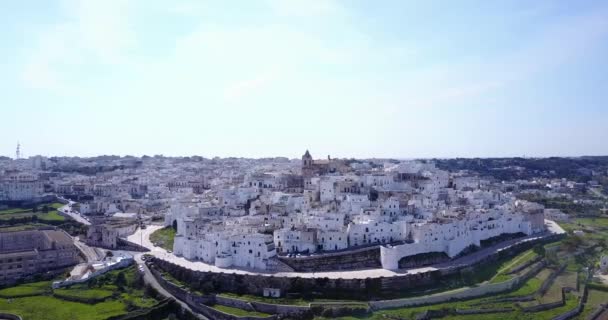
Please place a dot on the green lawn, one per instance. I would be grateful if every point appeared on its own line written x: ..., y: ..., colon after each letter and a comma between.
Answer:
x: 45, y: 305
x: 411, y: 312
x: 21, y: 227
x: 486, y: 302
x: 97, y: 294
x: 566, y: 279
x: 163, y: 237
x: 34, y: 288
x: 594, y: 299
x: 502, y: 274
x: 51, y: 215
x: 239, y: 312
x: 594, y: 222
x: 14, y: 211
x: 52, y: 308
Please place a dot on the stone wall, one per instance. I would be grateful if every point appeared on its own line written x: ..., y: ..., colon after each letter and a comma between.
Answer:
x: 596, y: 314
x: 549, y: 281
x: 280, y: 308
x: 331, y: 288
x: 215, y: 314
x: 481, y: 290
x: 178, y: 292
x: 358, y: 289
x: 525, y: 265
x: 269, y: 308
x: 577, y: 310
x: 237, y: 303
x: 482, y: 311
x: 544, y: 306
x: 348, y: 260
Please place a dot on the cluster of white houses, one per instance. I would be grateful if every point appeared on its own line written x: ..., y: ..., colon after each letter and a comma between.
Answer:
x: 20, y: 186
x: 406, y: 207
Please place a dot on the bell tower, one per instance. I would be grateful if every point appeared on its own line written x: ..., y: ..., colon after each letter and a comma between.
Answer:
x: 307, y: 164
x: 307, y: 159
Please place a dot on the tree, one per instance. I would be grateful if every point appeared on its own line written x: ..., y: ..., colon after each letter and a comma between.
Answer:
x: 539, y: 249
x: 571, y: 243
x: 121, y: 280
x: 92, y: 283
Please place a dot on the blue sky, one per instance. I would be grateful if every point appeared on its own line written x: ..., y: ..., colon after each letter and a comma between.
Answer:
x: 275, y: 77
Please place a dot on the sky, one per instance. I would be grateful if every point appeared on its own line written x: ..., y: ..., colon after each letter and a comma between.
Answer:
x: 352, y: 78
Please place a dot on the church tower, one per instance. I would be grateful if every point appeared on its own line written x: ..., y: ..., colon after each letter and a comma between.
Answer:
x: 307, y: 164
x: 307, y: 159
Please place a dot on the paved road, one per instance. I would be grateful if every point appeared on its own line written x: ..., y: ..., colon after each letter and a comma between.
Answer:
x: 143, y: 237
x: 91, y: 253
x: 149, y: 279
x: 69, y: 211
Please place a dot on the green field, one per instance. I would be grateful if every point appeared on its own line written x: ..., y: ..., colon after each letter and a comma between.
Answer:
x: 122, y: 293
x: 595, y: 298
x: 163, y: 238
x: 412, y: 312
x: 51, y: 215
x: 51, y: 308
x: 521, y: 259
x: 96, y: 294
x: 35, y: 288
x: 21, y: 227
x: 596, y: 222
x: 239, y: 312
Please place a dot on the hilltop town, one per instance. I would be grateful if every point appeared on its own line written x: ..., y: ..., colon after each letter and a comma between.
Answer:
x: 369, y: 229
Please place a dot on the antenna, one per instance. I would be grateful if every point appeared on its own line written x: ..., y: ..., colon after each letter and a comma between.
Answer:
x: 18, y: 152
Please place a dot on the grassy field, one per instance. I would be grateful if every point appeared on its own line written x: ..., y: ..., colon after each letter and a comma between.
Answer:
x: 412, y: 312
x: 502, y: 273
x: 34, y: 288
x: 51, y: 215
x: 21, y: 227
x: 595, y: 298
x: 566, y: 279
x: 163, y: 238
x: 287, y: 301
x: 97, y: 294
x: 52, y: 308
x: 597, y: 222
x: 121, y: 295
x: 531, y: 286
x: 239, y: 312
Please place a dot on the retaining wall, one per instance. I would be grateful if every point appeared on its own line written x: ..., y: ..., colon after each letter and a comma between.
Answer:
x: 358, y: 289
x: 482, y: 311
x: 347, y: 260
x: 481, y: 290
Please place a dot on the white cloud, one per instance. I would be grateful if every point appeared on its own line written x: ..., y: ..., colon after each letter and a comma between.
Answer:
x: 94, y: 32
x: 104, y: 27
x: 243, y: 88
